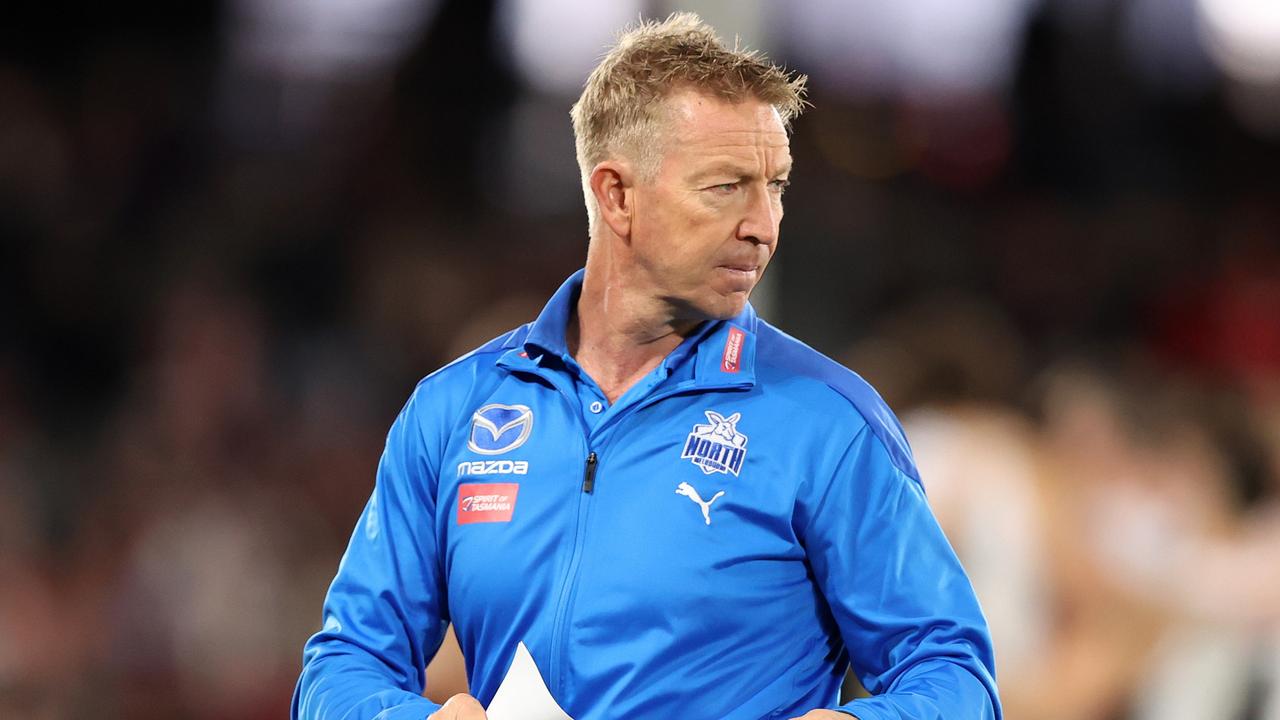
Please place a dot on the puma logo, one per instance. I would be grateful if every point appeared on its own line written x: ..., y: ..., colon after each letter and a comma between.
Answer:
x: 687, y: 490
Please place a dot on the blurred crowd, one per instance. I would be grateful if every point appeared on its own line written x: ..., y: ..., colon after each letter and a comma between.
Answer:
x: 219, y: 283
x: 1119, y: 518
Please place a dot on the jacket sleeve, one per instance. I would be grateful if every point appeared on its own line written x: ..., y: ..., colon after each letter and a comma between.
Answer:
x: 906, y: 610
x: 384, y: 614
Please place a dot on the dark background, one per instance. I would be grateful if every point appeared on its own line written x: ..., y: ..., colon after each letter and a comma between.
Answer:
x: 230, y: 245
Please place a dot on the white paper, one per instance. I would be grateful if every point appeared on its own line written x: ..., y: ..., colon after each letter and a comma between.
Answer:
x: 523, y: 695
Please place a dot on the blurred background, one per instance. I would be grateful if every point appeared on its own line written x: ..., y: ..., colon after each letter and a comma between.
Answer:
x: 233, y: 235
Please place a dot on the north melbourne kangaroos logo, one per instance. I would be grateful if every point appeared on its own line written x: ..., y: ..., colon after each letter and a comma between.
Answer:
x: 717, y: 447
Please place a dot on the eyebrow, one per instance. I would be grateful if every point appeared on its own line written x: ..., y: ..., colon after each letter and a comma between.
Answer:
x: 735, y: 171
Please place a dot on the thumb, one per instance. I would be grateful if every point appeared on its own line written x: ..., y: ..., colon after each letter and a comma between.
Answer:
x: 460, y: 707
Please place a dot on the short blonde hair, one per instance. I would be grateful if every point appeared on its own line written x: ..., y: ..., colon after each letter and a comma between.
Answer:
x: 620, y: 110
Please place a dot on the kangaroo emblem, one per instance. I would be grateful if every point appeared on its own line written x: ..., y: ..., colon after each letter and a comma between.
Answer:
x: 716, y: 446
x: 723, y: 427
x: 687, y: 490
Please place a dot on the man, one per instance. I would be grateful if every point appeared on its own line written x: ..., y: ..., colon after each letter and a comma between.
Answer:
x: 679, y: 510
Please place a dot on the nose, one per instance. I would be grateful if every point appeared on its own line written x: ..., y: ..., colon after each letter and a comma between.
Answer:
x: 763, y: 214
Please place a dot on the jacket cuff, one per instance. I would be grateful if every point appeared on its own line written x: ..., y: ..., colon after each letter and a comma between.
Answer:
x: 860, y: 710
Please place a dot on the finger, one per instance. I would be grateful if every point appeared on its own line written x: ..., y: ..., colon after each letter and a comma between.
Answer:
x: 460, y: 707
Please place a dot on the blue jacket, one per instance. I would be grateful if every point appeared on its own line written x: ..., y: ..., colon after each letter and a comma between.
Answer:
x: 719, y: 544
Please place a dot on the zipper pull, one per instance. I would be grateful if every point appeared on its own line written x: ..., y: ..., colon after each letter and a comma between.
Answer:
x: 589, y: 476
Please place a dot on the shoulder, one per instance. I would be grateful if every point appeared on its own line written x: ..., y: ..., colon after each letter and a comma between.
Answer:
x: 478, y: 360
x: 447, y: 389
x: 816, y: 378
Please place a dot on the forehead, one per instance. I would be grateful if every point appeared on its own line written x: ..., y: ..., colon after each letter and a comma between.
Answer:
x: 701, y: 125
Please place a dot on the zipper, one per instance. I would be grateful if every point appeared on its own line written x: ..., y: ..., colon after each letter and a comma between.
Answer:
x: 589, y: 475
x: 559, y: 650
x: 559, y: 631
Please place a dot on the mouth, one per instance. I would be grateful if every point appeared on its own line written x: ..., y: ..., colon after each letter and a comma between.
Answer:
x: 741, y: 277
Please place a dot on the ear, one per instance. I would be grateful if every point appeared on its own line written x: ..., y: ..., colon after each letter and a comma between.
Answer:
x: 714, y: 416
x: 611, y: 183
x: 734, y: 418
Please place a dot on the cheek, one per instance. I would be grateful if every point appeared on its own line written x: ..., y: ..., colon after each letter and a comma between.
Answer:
x: 695, y: 233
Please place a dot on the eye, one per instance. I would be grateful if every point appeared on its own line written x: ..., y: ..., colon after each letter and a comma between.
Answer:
x: 723, y: 188
x: 779, y: 186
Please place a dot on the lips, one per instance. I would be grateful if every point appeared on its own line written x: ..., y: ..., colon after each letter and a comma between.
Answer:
x: 740, y: 277
x: 741, y: 267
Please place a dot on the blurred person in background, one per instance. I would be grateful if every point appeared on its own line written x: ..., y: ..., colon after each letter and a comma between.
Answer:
x: 736, y: 578
x: 1167, y: 590
x: 1216, y: 325
x: 1107, y: 515
x: 953, y: 366
x: 1214, y: 582
x: 1129, y: 571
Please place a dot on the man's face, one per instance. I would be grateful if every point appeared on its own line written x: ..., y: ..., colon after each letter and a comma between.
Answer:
x: 707, y: 225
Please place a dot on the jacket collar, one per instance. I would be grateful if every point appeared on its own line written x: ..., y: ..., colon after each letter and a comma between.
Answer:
x: 723, y: 352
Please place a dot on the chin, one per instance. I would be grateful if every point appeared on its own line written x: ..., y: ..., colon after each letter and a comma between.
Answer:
x: 727, y: 307
x: 709, y: 304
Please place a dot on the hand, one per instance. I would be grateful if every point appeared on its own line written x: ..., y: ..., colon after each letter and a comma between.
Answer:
x: 825, y: 715
x: 459, y: 707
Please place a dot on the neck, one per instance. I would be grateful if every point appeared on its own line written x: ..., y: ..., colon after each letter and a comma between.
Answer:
x: 619, y: 331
